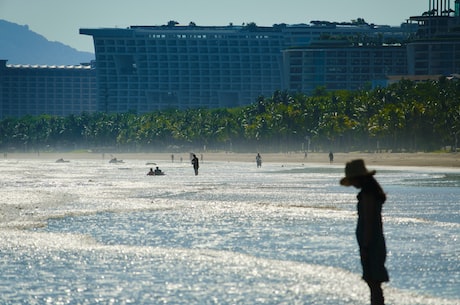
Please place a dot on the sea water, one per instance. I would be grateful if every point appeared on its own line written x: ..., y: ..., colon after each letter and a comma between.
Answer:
x: 90, y: 232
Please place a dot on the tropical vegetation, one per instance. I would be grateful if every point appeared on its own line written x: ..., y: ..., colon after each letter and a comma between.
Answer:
x: 405, y: 116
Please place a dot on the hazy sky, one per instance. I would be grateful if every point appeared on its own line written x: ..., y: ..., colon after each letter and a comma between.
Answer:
x: 60, y: 20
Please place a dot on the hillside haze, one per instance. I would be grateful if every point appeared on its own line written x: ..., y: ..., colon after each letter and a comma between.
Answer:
x: 19, y: 45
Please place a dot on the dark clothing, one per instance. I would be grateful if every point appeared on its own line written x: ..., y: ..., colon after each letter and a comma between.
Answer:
x: 196, y: 164
x: 158, y: 172
x: 259, y: 160
x: 371, y: 244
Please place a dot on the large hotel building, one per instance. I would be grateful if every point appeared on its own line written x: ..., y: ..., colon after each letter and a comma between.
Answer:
x: 146, y: 68
x: 39, y: 89
x: 149, y: 68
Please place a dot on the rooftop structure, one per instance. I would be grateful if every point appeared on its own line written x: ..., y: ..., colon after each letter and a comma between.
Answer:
x: 436, y: 47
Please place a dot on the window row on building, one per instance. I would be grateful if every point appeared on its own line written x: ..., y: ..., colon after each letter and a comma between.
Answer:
x: 149, y: 68
x: 187, y: 66
x: 36, y: 90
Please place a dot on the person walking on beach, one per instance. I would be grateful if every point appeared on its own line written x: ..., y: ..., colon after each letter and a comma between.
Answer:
x: 369, y: 230
x: 196, y: 164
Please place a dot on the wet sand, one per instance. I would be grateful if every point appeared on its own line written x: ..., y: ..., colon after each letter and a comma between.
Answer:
x: 24, y: 214
x: 451, y: 160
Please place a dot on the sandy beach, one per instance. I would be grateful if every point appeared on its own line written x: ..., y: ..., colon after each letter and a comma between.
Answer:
x: 450, y: 160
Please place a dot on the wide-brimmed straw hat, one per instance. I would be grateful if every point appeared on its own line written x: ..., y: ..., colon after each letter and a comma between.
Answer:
x: 354, y: 169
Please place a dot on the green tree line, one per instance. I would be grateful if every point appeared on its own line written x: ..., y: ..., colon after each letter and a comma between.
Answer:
x: 405, y: 116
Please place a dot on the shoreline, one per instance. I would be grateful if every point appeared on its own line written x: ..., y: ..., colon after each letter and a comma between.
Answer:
x: 449, y: 160
x: 23, y: 215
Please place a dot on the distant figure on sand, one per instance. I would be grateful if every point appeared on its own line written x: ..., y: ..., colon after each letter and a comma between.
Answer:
x: 369, y: 231
x: 259, y: 160
x: 196, y: 164
x: 331, y: 157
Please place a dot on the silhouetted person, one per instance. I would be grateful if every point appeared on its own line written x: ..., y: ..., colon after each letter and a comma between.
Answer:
x: 158, y: 171
x: 258, y: 160
x: 196, y: 164
x: 151, y: 172
x: 369, y: 231
x: 331, y: 157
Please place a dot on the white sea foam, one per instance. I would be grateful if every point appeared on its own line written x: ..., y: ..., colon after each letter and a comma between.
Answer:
x: 87, y: 231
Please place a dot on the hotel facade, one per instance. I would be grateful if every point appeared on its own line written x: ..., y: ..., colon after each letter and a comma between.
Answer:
x: 54, y: 90
x: 148, y: 68
x: 342, y: 67
x: 141, y: 69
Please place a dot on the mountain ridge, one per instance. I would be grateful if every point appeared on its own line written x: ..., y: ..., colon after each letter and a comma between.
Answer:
x: 17, y: 41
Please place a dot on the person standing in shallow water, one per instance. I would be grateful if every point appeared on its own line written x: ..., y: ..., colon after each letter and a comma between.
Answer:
x: 259, y: 160
x: 369, y: 230
x: 196, y: 164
